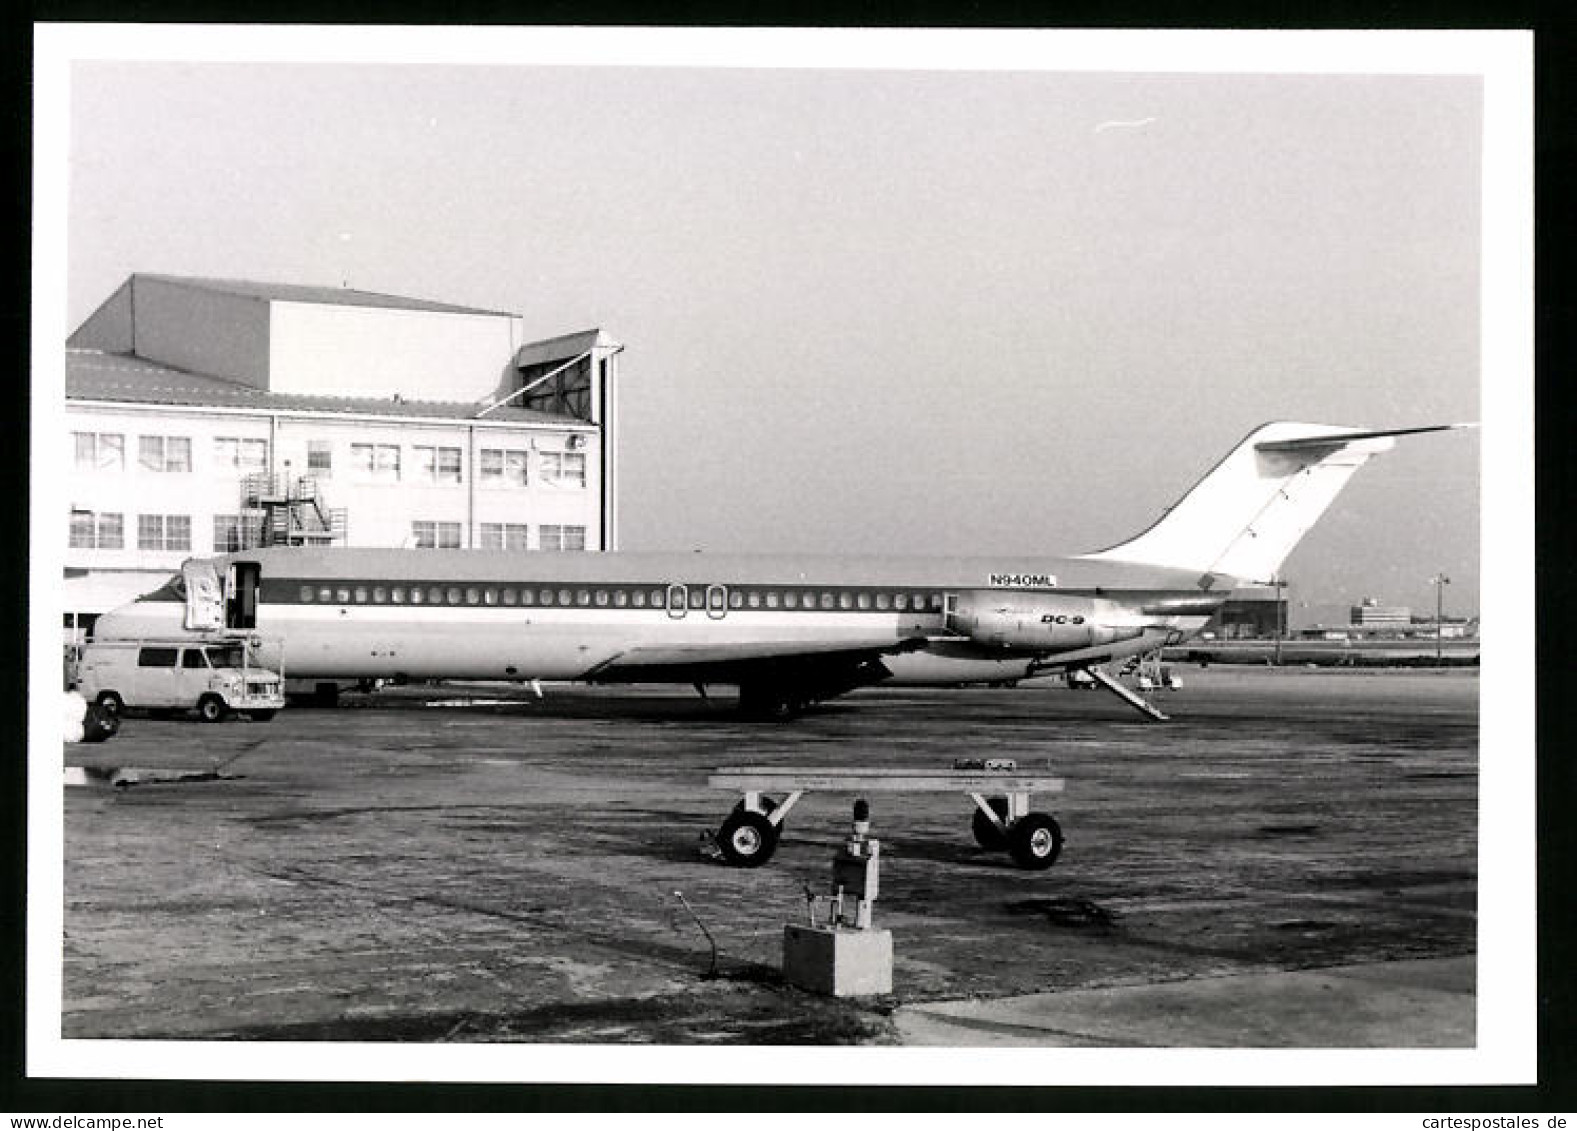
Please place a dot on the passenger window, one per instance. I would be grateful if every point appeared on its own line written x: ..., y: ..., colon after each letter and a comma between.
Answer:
x: 193, y: 658
x: 583, y: 597
x: 564, y: 597
x: 736, y: 599
x: 657, y: 598
x: 755, y: 599
x: 379, y: 594
x: 883, y: 601
x: 790, y: 600
x: 325, y: 594
x: 845, y: 601
x: 509, y: 596
x: 621, y: 598
x: 156, y: 658
x: 416, y: 595
x: 306, y: 594
x: 397, y: 594
x: 864, y: 601
x: 361, y: 594
x: 454, y: 594
x: 826, y: 600
x: 472, y: 596
x: 901, y: 601
x: 697, y: 597
x: 490, y: 596
x: 342, y: 596
x: 602, y: 598
x: 527, y: 597
x: 639, y: 598
x: 772, y: 598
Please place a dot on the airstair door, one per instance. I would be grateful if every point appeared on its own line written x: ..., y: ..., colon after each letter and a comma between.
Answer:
x: 204, y: 595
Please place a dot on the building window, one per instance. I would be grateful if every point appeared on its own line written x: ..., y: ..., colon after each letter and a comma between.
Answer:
x: 502, y: 467
x: 376, y: 463
x: 100, y: 451
x: 503, y: 536
x: 241, y: 454
x: 563, y: 537
x: 436, y: 535
x: 437, y: 465
x: 164, y: 532
x: 564, y: 469
x: 320, y: 458
x: 90, y: 531
x: 227, y: 534
x: 165, y: 453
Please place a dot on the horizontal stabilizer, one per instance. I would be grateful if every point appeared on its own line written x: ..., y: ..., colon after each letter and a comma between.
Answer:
x: 1309, y: 443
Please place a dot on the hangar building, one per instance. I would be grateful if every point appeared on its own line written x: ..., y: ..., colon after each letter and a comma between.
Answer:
x: 208, y: 416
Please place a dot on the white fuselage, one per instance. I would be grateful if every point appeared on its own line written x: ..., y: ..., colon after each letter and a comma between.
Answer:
x: 422, y: 614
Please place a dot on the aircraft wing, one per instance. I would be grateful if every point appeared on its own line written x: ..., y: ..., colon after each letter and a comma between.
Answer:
x: 726, y: 662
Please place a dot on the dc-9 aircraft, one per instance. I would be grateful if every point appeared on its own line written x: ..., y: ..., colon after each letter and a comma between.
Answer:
x: 788, y: 630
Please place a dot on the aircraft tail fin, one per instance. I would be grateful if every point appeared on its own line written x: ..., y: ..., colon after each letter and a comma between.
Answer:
x: 1249, y: 512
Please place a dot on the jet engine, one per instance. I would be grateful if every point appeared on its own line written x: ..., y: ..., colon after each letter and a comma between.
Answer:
x: 1040, y: 622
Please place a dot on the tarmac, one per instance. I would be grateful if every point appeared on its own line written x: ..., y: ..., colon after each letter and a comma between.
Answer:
x: 1289, y: 863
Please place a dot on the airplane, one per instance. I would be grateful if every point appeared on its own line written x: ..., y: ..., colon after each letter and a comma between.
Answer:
x: 789, y: 630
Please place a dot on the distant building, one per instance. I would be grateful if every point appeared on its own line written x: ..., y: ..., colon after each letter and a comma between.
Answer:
x: 1371, y: 614
x: 209, y: 416
x: 1251, y: 613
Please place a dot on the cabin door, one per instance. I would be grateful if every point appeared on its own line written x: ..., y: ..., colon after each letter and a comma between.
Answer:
x: 241, y: 608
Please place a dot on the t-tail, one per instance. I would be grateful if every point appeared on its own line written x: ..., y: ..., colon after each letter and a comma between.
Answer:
x: 1244, y: 517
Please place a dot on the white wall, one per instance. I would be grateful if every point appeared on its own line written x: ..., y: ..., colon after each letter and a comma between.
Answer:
x: 208, y: 489
x: 375, y: 352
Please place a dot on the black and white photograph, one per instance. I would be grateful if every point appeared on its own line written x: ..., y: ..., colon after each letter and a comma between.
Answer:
x: 701, y: 556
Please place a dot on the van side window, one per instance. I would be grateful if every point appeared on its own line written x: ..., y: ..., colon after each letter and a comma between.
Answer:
x: 156, y: 658
x: 193, y: 658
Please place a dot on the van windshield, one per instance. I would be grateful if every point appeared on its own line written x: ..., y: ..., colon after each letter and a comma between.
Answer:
x: 228, y: 656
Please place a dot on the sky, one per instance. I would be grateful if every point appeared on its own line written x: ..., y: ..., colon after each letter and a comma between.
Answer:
x: 1008, y: 312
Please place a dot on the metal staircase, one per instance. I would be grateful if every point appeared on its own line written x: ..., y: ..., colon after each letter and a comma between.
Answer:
x: 286, y: 510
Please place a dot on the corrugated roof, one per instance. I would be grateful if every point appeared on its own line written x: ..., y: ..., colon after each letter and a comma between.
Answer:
x: 331, y: 296
x: 97, y: 376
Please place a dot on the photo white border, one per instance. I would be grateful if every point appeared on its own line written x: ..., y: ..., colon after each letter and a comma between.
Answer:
x: 1506, y: 1050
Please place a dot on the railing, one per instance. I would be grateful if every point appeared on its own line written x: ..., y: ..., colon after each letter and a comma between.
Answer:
x: 288, y: 511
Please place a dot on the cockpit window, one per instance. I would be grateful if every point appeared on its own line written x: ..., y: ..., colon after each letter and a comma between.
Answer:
x: 172, y: 590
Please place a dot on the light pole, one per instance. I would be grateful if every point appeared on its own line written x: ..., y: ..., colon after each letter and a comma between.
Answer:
x: 1439, y: 581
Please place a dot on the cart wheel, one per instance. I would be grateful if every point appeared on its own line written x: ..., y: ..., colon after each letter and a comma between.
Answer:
x: 1035, y: 841
x: 988, y: 835
x: 110, y: 703
x: 212, y: 709
x: 747, y: 839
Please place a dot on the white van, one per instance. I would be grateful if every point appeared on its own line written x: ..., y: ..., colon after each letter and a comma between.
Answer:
x: 213, y: 678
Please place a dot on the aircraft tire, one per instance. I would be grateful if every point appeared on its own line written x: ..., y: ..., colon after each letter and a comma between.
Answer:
x: 212, y: 709
x: 747, y: 839
x: 1035, y: 841
x: 987, y: 835
x: 111, y: 703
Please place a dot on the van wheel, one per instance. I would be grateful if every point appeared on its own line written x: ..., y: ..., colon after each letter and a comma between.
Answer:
x: 212, y: 709
x: 110, y: 703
